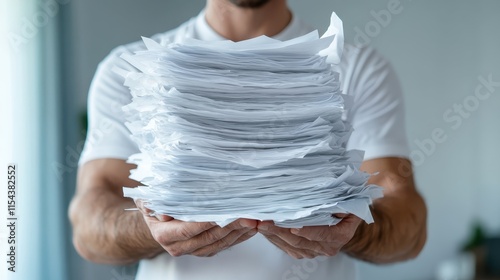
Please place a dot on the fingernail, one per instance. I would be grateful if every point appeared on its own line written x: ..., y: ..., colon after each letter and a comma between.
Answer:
x: 161, y: 218
x: 251, y: 233
x: 294, y: 230
x: 264, y: 227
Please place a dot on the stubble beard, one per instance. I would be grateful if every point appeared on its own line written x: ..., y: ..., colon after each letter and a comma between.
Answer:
x: 251, y: 4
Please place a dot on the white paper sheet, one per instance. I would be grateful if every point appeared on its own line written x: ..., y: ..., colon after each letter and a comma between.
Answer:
x: 251, y: 129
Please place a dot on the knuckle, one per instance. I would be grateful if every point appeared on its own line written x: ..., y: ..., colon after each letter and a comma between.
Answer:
x: 175, y: 251
x: 296, y: 242
x: 210, y: 236
x: 199, y: 254
x: 161, y: 240
x: 158, y: 237
x: 330, y: 252
x: 293, y: 254
x: 224, y: 244
x: 184, y: 233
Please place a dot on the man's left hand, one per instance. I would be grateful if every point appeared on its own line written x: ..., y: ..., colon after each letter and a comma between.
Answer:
x: 310, y: 242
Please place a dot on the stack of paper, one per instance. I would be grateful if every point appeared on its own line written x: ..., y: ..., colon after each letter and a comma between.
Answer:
x: 251, y: 129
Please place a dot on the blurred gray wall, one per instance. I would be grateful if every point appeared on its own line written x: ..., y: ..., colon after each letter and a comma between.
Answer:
x: 440, y: 50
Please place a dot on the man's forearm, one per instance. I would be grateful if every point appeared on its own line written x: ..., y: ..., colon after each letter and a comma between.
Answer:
x: 398, y: 234
x: 107, y: 233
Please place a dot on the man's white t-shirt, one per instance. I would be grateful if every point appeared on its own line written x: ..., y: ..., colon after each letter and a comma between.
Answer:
x: 377, y: 116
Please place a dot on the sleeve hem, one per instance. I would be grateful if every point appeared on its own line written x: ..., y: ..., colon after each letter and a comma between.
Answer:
x: 399, y: 150
x: 105, y: 152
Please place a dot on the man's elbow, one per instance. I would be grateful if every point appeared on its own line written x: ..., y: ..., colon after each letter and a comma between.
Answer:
x: 83, y: 250
x: 420, y: 242
x: 420, y: 220
x: 79, y: 238
x: 86, y: 239
x: 99, y: 254
x: 410, y: 253
x: 414, y: 237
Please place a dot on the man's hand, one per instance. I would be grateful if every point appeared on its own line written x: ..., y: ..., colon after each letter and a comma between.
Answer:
x: 398, y: 233
x: 310, y: 242
x: 199, y: 239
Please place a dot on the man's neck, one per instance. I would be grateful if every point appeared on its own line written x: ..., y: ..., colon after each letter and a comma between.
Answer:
x: 237, y: 24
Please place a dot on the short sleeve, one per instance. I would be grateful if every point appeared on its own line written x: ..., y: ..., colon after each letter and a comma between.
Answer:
x: 107, y: 135
x: 377, y: 114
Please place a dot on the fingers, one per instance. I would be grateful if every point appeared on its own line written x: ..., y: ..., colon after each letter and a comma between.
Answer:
x: 245, y: 236
x: 297, y: 244
x: 201, y: 239
x: 176, y: 230
x: 285, y: 235
x: 315, y: 241
x: 247, y: 223
x: 233, y: 238
x: 209, y: 237
x: 317, y: 233
x: 338, y: 234
x: 290, y: 250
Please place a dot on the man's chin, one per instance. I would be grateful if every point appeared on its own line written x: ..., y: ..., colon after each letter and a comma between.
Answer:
x: 252, y: 4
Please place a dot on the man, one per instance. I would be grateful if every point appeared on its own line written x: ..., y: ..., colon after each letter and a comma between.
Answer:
x: 172, y: 249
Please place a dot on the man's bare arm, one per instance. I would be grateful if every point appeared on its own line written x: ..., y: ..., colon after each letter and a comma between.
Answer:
x: 399, y: 231
x: 400, y: 228
x: 102, y: 230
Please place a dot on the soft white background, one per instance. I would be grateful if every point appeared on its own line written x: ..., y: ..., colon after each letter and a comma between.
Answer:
x: 439, y: 49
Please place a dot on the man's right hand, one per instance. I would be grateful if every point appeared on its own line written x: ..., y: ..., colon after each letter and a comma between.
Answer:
x: 104, y: 232
x: 191, y: 238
